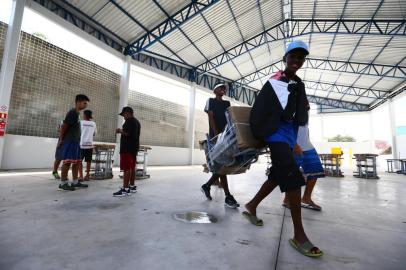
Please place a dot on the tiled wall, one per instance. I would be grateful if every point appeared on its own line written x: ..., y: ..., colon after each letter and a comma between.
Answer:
x: 163, y: 123
x: 46, y: 81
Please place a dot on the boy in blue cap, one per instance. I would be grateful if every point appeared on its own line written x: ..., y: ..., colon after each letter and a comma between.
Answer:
x: 279, y: 109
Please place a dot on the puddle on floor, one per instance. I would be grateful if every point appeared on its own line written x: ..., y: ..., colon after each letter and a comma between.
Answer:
x: 195, y: 217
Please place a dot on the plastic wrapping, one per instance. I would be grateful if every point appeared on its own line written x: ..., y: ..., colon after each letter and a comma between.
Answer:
x: 223, y: 156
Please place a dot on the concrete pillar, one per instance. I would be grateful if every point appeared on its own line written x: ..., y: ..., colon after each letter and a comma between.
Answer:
x: 191, y: 122
x: 123, y: 100
x: 124, y: 88
x: 322, y: 127
x: 9, y: 61
x: 392, y: 121
x: 371, y: 130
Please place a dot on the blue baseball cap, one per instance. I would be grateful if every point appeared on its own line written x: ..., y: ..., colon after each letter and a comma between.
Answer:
x: 297, y: 44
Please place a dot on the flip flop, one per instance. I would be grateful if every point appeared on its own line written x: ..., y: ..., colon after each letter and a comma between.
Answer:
x: 306, y: 248
x: 286, y: 205
x: 310, y: 206
x: 253, y: 219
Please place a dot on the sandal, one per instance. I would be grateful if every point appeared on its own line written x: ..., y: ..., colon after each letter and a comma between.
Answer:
x: 307, y: 248
x: 253, y: 219
x: 311, y: 206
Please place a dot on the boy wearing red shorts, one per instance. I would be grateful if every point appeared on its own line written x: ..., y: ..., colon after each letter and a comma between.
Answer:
x: 129, y: 146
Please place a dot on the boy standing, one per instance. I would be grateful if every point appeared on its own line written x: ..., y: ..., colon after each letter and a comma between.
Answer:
x: 69, y: 140
x: 216, y: 109
x: 129, y: 146
x: 88, y: 131
x: 279, y: 109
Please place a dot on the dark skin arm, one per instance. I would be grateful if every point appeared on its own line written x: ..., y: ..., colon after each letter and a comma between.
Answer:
x: 62, y: 133
x: 213, y: 123
x: 298, y: 150
x: 123, y: 133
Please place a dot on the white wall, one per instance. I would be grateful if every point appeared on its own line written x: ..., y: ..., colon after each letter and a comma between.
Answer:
x: 350, y: 148
x: 27, y: 152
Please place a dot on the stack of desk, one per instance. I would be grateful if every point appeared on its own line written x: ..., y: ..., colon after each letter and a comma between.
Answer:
x: 365, y: 166
x: 103, y: 161
x: 390, y: 163
x: 142, y: 163
x: 332, y: 164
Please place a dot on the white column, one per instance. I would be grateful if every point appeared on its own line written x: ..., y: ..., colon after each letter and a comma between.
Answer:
x: 123, y: 100
x: 322, y: 127
x: 9, y: 61
x: 191, y: 122
x: 371, y: 130
x: 124, y: 87
x: 392, y: 121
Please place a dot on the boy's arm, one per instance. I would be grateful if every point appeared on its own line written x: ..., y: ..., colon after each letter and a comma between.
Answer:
x: 210, y: 113
x: 212, y: 123
x: 297, y: 150
x: 62, y: 132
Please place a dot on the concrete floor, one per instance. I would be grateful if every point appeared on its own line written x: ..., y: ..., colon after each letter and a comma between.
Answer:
x: 362, y: 225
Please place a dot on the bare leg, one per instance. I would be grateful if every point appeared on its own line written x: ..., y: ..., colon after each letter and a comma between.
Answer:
x: 88, y: 164
x: 132, y: 177
x: 126, y: 178
x: 224, y: 184
x: 80, y: 170
x: 296, y: 212
x: 212, y: 179
x: 64, y: 172
x: 56, y: 165
x: 264, y: 191
x: 307, y: 195
x: 75, y: 170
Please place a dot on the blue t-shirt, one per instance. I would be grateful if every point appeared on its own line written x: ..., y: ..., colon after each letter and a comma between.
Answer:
x: 287, y: 133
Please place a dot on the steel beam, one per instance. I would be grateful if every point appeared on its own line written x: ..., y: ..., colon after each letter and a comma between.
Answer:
x: 345, y: 89
x: 172, y: 23
x: 370, y: 69
x: 302, y: 27
x: 337, y: 103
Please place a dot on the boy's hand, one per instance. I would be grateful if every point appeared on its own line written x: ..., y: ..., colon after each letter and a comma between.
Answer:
x: 119, y: 130
x: 297, y: 150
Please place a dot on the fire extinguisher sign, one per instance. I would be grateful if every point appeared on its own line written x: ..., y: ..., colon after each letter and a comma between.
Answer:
x: 3, y: 119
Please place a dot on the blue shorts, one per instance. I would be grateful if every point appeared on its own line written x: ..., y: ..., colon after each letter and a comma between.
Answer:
x: 58, y: 153
x: 310, y: 164
x: 70, y: 152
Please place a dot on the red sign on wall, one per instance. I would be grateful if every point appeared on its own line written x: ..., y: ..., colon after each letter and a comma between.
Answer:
x: 3, y: 120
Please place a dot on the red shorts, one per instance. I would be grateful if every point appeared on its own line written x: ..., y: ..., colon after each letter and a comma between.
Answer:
x: 127, y: 162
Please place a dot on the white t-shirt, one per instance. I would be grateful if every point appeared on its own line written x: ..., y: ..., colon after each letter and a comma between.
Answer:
x: 303, y: 138
x: 87, y: 131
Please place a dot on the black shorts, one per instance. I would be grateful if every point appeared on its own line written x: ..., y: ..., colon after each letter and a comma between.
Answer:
x: 86, y: 154
x: 284, y: 169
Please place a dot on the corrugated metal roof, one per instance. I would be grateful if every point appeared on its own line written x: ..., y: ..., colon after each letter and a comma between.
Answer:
x: 88, y: 7
x: 366, y: 81
x: 394, y: 9
x: 215, y: 30
x: 117, y: 22
x: 145, y: 11
x: 387, y: 83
